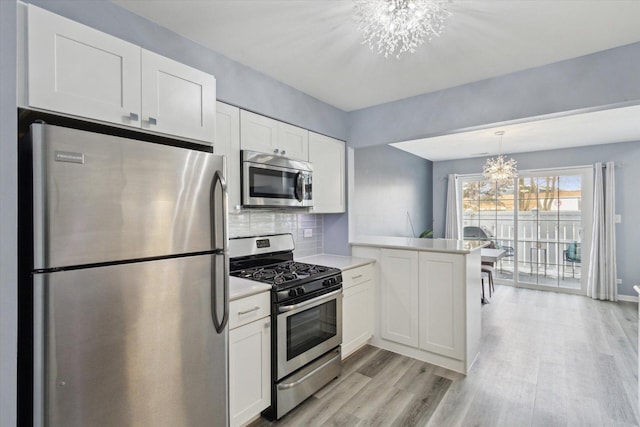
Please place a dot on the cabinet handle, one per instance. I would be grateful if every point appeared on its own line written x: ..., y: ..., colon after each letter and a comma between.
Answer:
x: 250, y: 310
x: 276, y: 151
x: 283, y: 152
x: 267, y: 325
x: 153, y: 121
x: 133, y: 117
x: 356, y: 277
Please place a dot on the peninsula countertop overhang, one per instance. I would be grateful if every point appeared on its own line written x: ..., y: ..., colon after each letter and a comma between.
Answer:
x: 431, y: 245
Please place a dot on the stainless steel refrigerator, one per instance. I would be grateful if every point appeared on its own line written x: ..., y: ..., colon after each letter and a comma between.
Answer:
x: 130, y: 282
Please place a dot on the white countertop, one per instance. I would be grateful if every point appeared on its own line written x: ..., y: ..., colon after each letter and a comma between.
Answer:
x: 430, y: 245
x: 240, y: 288
x: 336, y: 261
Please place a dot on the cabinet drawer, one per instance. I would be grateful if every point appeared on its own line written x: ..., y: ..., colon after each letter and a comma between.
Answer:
x: 357, y: 275
x: 245, y: 310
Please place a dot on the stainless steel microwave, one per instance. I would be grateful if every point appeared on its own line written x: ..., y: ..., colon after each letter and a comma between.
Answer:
x: 273, y: 181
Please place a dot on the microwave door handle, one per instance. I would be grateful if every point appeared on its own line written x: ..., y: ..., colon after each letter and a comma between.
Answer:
x: 299, y: 193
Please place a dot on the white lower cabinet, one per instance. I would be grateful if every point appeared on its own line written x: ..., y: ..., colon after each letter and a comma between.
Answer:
x: 357, y: 308
x: 441, y: 303
x: 249, y: 361
x: 399, y: 296
x: 427, y: 304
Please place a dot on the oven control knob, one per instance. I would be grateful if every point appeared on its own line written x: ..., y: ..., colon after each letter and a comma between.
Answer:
x: 292, y: 293
x: 300, y: 291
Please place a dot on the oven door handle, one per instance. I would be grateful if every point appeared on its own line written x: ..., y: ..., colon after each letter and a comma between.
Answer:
x: 312, y: 301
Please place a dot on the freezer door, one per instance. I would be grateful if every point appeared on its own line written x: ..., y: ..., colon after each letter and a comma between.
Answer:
x: 130, y: 345
x: 101, y: 198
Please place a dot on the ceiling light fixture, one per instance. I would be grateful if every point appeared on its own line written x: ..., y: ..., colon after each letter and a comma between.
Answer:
x: 500, y: 169
x: 393, y: 27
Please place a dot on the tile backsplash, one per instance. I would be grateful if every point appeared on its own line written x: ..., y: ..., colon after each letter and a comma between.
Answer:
x: 258, y: 222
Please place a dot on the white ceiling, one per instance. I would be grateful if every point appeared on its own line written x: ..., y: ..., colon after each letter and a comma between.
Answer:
x: 538, y: 134
x: 314, y: 45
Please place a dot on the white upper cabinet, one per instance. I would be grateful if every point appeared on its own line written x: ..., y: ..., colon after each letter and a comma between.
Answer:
x: 327, y: 157
x: 77, y: 70
x: 266, y: 135
x: 177, y: 99
x: 258, y: 133
x: 293, y: 142
x: 228, y: 144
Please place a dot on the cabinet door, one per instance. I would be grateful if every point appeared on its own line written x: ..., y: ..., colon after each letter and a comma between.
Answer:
x: 177, y: 99
x: 228, y: 144
x: 258, y: 133
x: 442, y: 304
x: 293, y: 142
x: 399, y: 296
x: 81, y: 71
x: 357, y: 317
x: 327, y: 157
x: 249, y: 371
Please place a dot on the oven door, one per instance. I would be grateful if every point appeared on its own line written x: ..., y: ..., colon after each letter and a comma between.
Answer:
x: 307, y: 330
x: 270, y: 185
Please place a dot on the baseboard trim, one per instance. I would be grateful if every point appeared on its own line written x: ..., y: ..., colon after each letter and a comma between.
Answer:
x: 628, y: 298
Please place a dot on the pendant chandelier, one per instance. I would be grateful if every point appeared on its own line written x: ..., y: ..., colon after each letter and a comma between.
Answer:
x: 500, y: 169
x: 393, y: 27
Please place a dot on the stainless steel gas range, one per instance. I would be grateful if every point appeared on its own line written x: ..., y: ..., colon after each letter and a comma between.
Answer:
x: 306, y: 317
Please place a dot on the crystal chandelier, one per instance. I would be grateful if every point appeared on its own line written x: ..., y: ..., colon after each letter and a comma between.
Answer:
x: 392, y: 27
x: 500, y: 169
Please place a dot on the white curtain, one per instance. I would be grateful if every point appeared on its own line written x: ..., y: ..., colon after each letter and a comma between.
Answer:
x: 601, y: 279
x: 452, y: 220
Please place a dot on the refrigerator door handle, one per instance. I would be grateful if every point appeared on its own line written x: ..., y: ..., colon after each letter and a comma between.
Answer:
x: 218, y: 179
x: 222, y: 323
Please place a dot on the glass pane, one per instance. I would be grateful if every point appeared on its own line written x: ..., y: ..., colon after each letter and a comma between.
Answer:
x: 309, y: 328
x: 271, y: 183
x: 570, y: 185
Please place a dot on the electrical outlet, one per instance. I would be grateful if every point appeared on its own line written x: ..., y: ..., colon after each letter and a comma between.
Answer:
x: 618, y: 219
x: 308, y: 232
x: 619, y: 281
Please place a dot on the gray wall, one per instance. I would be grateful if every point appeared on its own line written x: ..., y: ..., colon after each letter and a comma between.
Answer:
x: 603, y: 78
x: 607, y: 77
x: 626, y: 157
x: 8, y: 214
x: 389, y: 186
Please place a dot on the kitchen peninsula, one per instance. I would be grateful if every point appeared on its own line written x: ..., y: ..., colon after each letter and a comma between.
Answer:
x: 427, y: 298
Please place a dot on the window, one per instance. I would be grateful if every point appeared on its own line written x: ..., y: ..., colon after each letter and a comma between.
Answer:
x: 540, y: 220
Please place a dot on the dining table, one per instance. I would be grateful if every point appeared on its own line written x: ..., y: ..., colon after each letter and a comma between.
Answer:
x: 492, y: 255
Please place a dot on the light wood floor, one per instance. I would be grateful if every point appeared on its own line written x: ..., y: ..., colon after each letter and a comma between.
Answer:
x: 547, y: 359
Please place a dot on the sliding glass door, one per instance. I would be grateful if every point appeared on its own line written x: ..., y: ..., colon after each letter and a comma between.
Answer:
x: 542, y: 220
